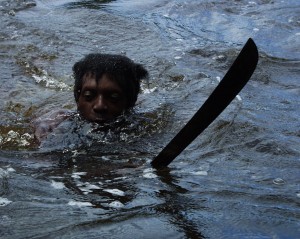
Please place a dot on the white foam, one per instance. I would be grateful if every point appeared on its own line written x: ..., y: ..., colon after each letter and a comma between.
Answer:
x: 57, y: 185
x: 10, y: 170
x: 148, y: 90
x: 24, y: 142
x: 148, y: 170
x: 116, y: 204
x: 149, y: 175
x: 3, y: 173
x: 200, y: 173
x: 87, y: 187
x: 252, y: 3
x: 79, y: 204
x: 49, y: 81
x: 115, y: 192
x: 78, y: 174
x: 4, y: 202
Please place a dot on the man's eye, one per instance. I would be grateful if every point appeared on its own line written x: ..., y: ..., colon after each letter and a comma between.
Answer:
x: 115, y: 96
x: 88, y: 95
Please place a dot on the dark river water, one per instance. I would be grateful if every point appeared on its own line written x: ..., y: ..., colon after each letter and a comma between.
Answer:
x: 239, y: 179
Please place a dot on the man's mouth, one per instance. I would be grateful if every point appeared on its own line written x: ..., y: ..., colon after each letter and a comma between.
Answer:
x: 100, y: 120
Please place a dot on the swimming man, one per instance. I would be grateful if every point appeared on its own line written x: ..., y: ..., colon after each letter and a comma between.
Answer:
x: 106, y: 86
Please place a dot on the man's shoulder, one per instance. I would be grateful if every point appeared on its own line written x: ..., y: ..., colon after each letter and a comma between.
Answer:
x: 46, y: 123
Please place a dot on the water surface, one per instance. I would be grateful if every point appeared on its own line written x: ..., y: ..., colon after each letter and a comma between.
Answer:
x: 239, y: 179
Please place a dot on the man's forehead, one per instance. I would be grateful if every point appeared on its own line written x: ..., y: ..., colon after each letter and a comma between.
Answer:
x: 89, y: 76
x: 89, y: 81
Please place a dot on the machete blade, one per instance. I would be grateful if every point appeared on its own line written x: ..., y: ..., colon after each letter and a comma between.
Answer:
x: 232, y: 83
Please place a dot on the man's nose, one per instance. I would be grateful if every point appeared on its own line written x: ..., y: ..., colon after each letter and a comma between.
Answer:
x: 100, y: 104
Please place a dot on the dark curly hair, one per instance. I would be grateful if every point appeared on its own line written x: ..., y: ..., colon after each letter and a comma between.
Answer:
x: 120, y: 68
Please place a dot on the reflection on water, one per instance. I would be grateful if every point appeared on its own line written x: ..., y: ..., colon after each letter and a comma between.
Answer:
x: 239, y: 179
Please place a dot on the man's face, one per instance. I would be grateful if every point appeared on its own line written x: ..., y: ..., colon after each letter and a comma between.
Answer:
x: 100, y: 101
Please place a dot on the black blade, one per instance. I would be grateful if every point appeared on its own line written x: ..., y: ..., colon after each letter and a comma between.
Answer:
x: 232, y: 83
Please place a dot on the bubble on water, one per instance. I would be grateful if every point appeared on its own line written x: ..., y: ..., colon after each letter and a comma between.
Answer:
x: 116, y: 204
x: 80, y: 204
x: 4, y: 202
x: 115, y: 192
x: 57, y: 185
x: 256, y: 29
x: 278, y: 181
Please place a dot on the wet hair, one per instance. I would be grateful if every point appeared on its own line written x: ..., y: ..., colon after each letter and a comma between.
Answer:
x: 121, y: 69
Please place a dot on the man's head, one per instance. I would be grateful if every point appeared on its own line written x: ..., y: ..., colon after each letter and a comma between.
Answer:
x: 106, y: 85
